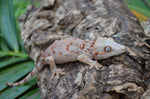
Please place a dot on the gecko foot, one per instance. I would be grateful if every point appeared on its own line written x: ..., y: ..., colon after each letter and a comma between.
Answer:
x: 96, y: 65
x: 57, y: 72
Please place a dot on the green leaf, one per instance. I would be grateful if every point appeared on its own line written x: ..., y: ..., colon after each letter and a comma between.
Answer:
x: 140, y: 10
x: 21, y: 44
x: 12, y: 60
x: 14, y: 73
x: 3, y: 53
x: 20, y: 7
x: 139, y: 6
x: 14, y: 92
x: 4, y: 45
x: 14, y: 65
x: 8, y: 25
x: 34, y: 94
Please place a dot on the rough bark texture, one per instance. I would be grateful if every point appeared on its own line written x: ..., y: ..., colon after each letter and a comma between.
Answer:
x: 121, y: 77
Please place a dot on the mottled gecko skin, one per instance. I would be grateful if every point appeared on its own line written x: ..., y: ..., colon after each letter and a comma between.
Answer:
x: 73, y: 49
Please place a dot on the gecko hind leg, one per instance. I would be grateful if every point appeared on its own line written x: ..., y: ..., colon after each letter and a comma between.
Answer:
x: 55, y: 71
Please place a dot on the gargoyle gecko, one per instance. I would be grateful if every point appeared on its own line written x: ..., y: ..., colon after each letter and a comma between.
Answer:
x: 74, y: 49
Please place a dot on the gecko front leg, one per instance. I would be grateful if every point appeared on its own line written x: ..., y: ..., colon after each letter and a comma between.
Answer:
x: 55, y: 71
x: 85, y: 59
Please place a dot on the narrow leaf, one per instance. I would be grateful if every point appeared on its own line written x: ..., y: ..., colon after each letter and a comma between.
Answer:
x: 12, y: 60
x: 4, y: 45
x: 7, y: 24
x: 14, y: 92
x: 5, y: 53
x: 14, y: 73
x: 34, y: 94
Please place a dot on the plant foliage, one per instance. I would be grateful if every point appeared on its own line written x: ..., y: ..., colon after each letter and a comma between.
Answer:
x: 139, y: 8
x: 14, y: 62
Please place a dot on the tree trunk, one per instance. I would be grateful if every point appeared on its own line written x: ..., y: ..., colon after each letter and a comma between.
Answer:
x: 121, y: 77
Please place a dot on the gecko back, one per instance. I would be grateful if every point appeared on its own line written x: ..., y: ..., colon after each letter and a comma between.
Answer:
x: 65, y: 50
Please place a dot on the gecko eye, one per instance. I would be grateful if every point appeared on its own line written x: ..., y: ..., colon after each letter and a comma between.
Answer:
x: 107, y: 48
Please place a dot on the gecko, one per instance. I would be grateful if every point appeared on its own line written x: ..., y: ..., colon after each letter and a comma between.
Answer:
x: 74, y: 49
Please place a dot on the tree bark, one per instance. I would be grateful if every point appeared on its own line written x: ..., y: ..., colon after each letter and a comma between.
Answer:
x: 121, y: 77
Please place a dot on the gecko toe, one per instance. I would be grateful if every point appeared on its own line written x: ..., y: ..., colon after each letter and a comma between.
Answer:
x: 57, y: 72
x: 96, y: 65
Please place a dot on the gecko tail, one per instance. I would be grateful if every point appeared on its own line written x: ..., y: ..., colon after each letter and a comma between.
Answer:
x: 12, y: 84
x: 27, y: 78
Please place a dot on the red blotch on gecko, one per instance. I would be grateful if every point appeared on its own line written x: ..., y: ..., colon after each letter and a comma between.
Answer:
x: 82, y: 46
x: 60, y: 53
x: 96, y: 53
x: 67, y: 47
x: 72, y: 51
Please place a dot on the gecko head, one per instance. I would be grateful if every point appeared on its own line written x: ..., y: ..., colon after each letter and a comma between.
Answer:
x: 106, y: 47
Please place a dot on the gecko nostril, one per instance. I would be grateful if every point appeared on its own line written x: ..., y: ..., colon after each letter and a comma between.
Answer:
x: 101, y: 53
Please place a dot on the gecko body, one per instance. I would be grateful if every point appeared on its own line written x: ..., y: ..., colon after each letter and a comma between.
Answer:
x: 74, y: 49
